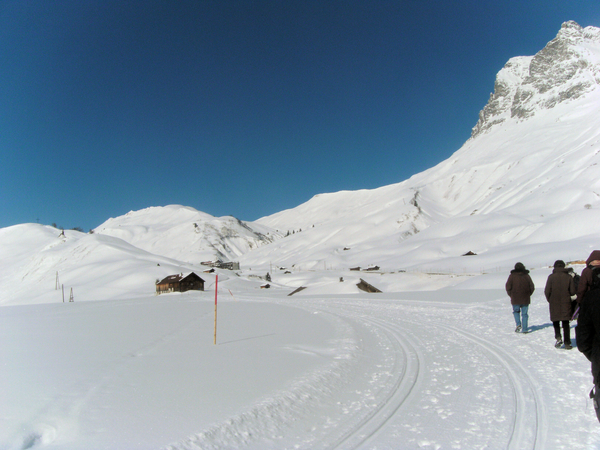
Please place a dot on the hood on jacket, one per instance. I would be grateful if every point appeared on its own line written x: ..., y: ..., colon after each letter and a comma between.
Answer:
x: 520, y: 267
x: 595, y: 255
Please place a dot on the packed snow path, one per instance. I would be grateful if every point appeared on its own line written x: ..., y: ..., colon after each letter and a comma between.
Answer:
x: 444, y: 381
x: 431, y: 374
x: 423, y: 370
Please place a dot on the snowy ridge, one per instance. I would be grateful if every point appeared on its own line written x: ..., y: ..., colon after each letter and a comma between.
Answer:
x: 96, y: 267
x: 185, y: 234
x: 528, y: 180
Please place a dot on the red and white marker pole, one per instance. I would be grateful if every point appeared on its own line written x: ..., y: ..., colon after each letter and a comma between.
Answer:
x: 216, y: 284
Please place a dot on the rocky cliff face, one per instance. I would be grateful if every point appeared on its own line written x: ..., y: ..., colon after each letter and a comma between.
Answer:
x: 567, y: 68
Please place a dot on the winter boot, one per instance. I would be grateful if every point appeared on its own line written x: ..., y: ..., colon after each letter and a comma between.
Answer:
x: 559, y: 343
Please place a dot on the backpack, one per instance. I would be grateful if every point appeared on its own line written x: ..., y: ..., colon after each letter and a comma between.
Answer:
x: 595, y: 278
x: 576, y: 279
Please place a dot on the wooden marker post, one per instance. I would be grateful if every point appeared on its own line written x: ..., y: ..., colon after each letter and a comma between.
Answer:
x: 216, y: 285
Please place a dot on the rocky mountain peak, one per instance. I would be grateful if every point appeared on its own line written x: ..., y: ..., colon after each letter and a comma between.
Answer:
x: 566, y: 68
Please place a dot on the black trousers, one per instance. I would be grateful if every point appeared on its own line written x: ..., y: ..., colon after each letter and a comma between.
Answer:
x: 566, y: 330
x: 595, y: 396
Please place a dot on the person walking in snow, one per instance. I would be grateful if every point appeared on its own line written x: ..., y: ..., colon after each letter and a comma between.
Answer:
x: 574, y: 304
x: 519, y: 288
x: 585, y: 281
x: 588, y: 332
x: 559, y: 289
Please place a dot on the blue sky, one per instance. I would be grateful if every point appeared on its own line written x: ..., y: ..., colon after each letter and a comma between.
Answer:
x: 242, y: 108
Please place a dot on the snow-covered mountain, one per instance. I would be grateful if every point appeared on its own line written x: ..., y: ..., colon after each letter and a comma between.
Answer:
x: 39, y: 260
x: 122, y: 258
x: 525, y: 186
x: 186, y: 234
x: 566, y: 69
x: 528, y: 178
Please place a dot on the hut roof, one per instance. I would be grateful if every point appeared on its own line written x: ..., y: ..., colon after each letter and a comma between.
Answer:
x: 178, y: 278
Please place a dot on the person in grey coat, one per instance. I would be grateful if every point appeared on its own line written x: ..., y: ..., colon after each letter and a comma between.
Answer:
x: 519, y: 288
x: 559, y: 289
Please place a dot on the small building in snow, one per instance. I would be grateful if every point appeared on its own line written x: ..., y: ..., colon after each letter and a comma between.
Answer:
x: 180, y: 283
x: 364, y: 286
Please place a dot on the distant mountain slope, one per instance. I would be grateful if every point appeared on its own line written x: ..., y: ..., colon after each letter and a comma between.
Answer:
x: 526, y: 185
x: 528, y: 176
x: 185, y: 234
x: 36, y: 258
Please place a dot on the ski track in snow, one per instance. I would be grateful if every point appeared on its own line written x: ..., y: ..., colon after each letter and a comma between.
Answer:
x: 398, y: 374
x: 525, y: 406
x: 406, y: 395
x: 395, y: 388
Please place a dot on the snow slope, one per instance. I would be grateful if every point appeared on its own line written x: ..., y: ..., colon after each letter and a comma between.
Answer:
x: 185, y: 234
x: 37, y: 261
x: 528, y: 178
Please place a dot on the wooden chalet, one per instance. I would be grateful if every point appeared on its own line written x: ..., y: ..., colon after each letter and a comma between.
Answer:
x: 180, y: 283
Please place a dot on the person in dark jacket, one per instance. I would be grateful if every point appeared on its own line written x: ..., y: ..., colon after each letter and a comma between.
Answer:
x: 574, y: 304
x: 588, y: 332
x: 559, y: 289
x: 585, y: 281
x: 519, y: 288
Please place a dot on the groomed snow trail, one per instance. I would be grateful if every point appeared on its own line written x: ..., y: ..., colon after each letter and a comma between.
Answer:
x: 499, y: 396
x: 423, y: 370
x: 425, y: 375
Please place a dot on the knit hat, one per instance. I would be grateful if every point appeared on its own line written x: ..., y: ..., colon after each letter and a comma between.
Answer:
x: 559, y: 263
x: 520, y: 267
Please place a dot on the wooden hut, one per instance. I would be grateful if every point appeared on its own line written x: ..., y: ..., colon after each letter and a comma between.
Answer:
x: 364, y: 286
x: 180, y: 283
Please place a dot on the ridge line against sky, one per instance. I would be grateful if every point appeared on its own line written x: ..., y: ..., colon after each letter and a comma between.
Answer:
x: 242, y: 108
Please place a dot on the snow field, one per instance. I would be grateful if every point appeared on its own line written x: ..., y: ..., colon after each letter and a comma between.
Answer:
x: 433, y: 369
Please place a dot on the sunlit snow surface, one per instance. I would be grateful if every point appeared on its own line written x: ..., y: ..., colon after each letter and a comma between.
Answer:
x: 432, y: 362
x: 436, y: 369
